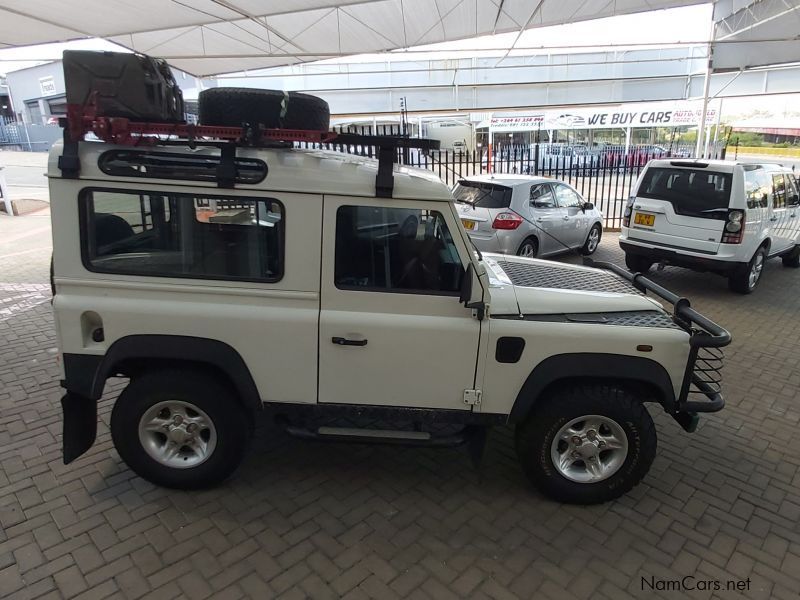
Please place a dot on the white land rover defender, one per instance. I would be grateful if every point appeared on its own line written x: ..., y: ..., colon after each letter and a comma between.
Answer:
x: 226, y: 272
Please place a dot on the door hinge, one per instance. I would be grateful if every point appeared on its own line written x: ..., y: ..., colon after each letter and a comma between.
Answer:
x: 472, y: 397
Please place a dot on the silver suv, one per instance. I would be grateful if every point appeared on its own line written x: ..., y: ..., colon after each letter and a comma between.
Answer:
x: 527, y: 216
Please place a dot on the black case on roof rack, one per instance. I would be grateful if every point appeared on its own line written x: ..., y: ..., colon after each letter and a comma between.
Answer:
x: 133, y: 86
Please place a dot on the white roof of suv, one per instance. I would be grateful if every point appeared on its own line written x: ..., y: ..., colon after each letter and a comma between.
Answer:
x: 289, y: 170
x: 507, y: 180
x: 722, y: 166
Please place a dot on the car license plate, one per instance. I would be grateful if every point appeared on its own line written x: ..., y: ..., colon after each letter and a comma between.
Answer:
x: 468, y: 225
x: 644, y: 219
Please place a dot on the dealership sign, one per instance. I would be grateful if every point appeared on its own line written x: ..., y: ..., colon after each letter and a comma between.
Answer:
x: 634, y: 115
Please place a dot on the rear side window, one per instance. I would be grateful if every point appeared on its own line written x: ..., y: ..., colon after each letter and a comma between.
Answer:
x: 401, y: 250
x: 757, y: 188
x: 542, y: 196
x: 483, y: 195
x: 692, y: 192
x: 167, y: 234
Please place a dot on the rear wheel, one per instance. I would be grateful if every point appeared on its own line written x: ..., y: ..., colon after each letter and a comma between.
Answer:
x: 745, y: 279
x: 587, y: 444
x: 592, y: 240
x: 792, y: 259
x: 529, y: 248
x: 638, y: 263
x: 179, y: 428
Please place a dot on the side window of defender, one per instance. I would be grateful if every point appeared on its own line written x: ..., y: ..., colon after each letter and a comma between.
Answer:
x: 167, y: 234
x: 395, y: 250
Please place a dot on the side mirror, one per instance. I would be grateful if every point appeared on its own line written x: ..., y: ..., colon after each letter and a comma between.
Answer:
x: 467, y: 291
x: 588, y: 206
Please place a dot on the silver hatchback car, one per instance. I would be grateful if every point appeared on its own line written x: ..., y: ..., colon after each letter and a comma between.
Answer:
x: 527, y: 216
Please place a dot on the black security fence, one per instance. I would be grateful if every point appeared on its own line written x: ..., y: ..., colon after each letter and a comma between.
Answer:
x: 604, y: 174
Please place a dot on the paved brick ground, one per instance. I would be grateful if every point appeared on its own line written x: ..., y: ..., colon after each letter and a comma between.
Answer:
x: 304, y: 520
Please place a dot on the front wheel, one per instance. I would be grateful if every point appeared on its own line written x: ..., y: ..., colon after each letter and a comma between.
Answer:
x: 592, y: 240
x: 179, y: 429
x: 586, y: 444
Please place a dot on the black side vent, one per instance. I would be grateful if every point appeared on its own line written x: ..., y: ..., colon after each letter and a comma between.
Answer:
x: 509, y: 349
x: 170, y: 165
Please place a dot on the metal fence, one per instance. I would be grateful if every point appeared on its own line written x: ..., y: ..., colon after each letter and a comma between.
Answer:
x: 15, y: 135
x: 604, y: 175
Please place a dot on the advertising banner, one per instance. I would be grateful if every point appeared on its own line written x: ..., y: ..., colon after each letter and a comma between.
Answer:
x: 633, y: 115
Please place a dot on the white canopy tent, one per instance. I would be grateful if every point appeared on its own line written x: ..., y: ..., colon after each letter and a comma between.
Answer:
x: 208, y: 37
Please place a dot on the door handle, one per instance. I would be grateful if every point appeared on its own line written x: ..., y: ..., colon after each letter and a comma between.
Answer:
x: 773, y: 218
x: 340, y: 341
x: 539, y: 220
x: 565, y: 217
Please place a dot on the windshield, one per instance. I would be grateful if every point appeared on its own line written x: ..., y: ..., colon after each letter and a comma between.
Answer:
x: 481, y: 194
x: 692, y: 192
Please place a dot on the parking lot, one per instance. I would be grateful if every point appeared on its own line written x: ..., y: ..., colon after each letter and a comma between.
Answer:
x: 311, y: 520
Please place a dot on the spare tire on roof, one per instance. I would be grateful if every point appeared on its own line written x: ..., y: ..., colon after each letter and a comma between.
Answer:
x: 273, y: 109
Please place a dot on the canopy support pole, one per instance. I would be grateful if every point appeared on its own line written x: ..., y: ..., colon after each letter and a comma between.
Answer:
x: 701, y: 127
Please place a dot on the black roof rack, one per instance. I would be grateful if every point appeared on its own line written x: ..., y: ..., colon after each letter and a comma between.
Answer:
x: 82, y: 119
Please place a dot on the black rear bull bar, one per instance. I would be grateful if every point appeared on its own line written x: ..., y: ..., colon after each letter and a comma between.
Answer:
x: 705, y: 343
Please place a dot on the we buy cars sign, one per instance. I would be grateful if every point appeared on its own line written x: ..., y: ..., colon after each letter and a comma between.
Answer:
x: 633, y: 115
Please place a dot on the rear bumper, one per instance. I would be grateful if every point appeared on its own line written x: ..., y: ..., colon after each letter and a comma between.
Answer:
x: 681, y: 259
x: 502, y: 242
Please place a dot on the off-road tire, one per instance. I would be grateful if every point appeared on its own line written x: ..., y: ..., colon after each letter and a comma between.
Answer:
x: 792, y: 259
x: 585, y: 250
x: 637, y: 263
x: 529, y: 242
x: 535, y: 435
x: 233, y: 107
x: 202, y: 390
x: 739, y: 280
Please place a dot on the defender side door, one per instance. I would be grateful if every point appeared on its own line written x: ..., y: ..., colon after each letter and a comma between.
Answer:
x: 392, y: 330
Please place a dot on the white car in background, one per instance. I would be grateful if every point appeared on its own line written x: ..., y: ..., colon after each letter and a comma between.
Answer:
x: 713, y: 215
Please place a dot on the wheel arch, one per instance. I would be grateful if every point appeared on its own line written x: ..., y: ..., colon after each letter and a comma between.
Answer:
x: 530, y: 236
x: 86, y: 375
x: 644, y: 375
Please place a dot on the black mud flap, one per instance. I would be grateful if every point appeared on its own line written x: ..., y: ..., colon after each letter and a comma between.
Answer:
x: 80, y: 425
